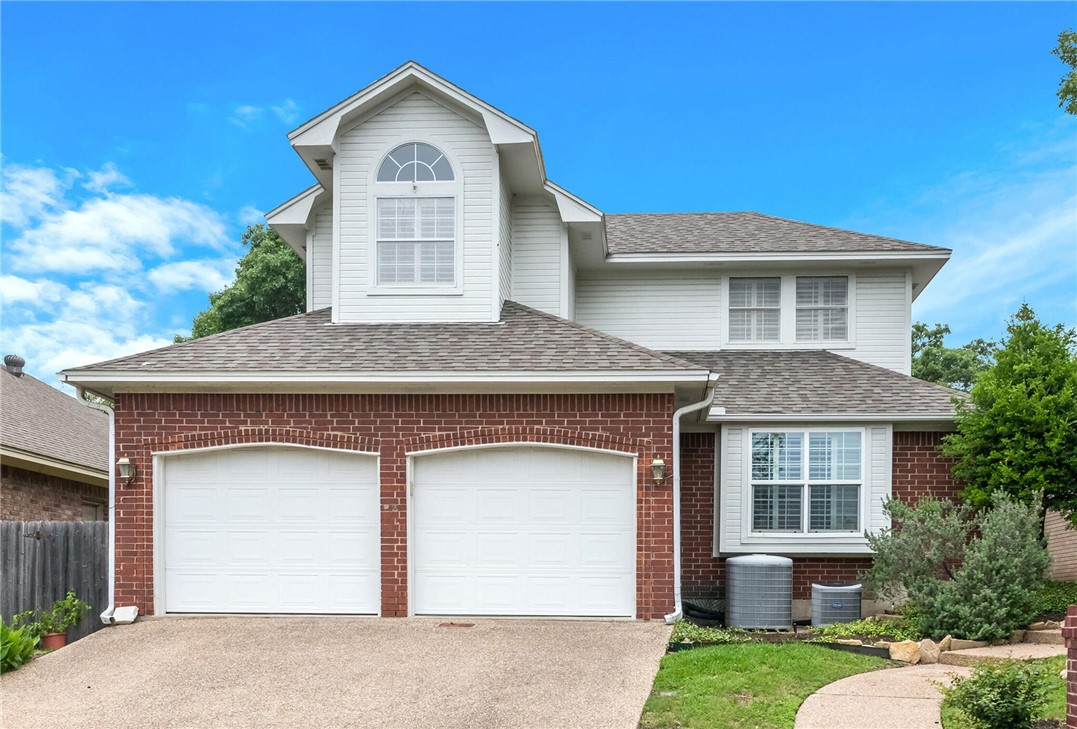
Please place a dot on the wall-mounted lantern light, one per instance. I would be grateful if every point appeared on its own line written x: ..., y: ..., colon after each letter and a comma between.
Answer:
x: 658, y: 470
x: 126, y: 469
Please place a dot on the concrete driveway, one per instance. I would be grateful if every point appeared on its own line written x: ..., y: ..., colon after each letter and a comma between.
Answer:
x: 341, y: 672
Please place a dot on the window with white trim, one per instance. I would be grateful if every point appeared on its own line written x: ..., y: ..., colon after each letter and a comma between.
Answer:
x: 755, y: 309
x: 822, y: 470
x: 415, y: 232
x: 822, y: 304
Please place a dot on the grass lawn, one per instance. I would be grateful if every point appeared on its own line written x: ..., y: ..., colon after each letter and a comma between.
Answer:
x: 744, y: 685
x: 1055, y: 708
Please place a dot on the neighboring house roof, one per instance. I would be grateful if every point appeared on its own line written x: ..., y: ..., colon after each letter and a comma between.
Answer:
x: 741, y: 233
x: 818, y: 383
x: 44, y: 429
x: 524, y: 340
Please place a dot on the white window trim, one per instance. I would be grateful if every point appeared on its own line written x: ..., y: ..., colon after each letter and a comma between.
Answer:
x: 451, y: 189
x: 748, y: 535
x: 729, y: 309
x: 788, y: 328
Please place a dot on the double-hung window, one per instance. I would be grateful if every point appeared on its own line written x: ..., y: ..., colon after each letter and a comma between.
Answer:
x: 822, y: 308
x: 755, y: 309
x: 415, y: 230
x: 806, y: 480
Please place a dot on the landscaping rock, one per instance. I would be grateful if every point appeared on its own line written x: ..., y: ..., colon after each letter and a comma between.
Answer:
x: 881, y: 644
x: 906, y: 651
x: 1045, y: 625
x: 944, y: 644
x: 849, y: 641
x: 957, y: 644
x: 1017, y: 636
x: 929, y: 651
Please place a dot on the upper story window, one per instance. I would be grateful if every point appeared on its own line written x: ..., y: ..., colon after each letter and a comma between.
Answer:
x: 415, y: 229
x: 755, y: 309
x: 822, y: 308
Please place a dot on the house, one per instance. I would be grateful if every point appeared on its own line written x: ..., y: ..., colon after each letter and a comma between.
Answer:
x: 502, y: 401
x: 53, y: 452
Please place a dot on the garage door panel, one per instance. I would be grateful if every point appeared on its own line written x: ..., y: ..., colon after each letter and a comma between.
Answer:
x: 564, y: 542
x: 303, y: 537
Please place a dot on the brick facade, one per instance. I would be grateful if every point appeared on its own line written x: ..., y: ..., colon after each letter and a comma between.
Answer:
x: 31, y: 496
x: 394, y: 425
x: 918, y: 469
x: 1069, y: 632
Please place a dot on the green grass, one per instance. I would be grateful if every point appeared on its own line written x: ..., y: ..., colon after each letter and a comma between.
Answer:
x: 1055, y: 597
x: 744, y: 685
x: 686, y: 632
x: 1055, y: 709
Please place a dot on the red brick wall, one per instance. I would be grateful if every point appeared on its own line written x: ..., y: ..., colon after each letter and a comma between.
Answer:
x: 1069, y: 632
x: 920, y: 469
x: 31, y: 496
x: 394, y: 425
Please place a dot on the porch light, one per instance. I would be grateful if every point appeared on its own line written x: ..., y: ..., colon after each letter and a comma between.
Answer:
x: 658, y: 470
x: 126, y: 469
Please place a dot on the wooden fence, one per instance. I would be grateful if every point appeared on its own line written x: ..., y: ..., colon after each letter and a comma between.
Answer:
x: 41, y: 560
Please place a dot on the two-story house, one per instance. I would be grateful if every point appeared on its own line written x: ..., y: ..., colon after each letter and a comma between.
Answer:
x: 504, y: 402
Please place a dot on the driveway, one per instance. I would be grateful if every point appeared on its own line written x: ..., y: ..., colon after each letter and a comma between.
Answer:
x: 341, y: 672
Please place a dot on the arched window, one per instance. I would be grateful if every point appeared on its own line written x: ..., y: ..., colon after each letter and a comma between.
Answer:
x: 415, y: 162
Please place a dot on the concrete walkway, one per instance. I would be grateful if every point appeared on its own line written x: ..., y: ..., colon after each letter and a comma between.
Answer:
x: 901, y: 698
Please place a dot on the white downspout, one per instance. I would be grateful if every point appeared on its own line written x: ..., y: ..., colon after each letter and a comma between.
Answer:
x: 106, y: 616
x: 712, y: 382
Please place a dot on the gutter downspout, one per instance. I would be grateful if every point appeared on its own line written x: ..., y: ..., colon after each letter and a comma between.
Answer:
x: 712, y: 385
x: 106, y: 616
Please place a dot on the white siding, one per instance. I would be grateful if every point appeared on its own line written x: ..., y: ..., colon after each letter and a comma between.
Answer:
x: 882, y: 321
x: 468, y: 146
x: 658, y: 310
x: 733, y: 530
x: 504, y: 245
x: 320, y: 259
x: 570, y: 284
x: 536, y: 254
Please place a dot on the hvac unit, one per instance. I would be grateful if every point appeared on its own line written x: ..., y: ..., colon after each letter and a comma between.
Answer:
x: 759, y: 592
x: 834, y: 604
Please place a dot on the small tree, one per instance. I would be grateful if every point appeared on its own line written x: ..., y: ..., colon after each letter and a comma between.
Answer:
x: 956, y: 367
x: 1066, y: 50
x: 1017, y: 433
x: 972, y: 574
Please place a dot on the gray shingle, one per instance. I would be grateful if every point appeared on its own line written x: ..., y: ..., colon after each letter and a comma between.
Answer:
x: 744, y: 232
x: 42, y: 420
x: 817, y: 383
x: 524, y: 340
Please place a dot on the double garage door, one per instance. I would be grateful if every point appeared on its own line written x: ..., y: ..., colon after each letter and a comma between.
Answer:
x: 492, y: 531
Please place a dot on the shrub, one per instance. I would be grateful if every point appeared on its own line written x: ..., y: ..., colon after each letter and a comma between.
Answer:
x: 901, y: 629
x: 1055, y: 597
x: 1003, y: 695
x: 64, y: 613
x: 686, y: 632
x: 970, y: 574
x: 16, y: 646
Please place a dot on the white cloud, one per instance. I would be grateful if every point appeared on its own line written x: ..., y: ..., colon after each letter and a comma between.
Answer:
x: 105, y: 178
x: 287, y: 111
x: 15, y: 290
x: 27, y: 193
x: 249, y: 215
x: 245, y: 115
x: 206, y: 276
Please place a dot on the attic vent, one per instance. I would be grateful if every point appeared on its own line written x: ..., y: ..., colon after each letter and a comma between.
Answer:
x: 323, y: 163
x: 13, y: 363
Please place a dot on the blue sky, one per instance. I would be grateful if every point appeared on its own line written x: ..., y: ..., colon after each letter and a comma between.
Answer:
x: 139, y: 139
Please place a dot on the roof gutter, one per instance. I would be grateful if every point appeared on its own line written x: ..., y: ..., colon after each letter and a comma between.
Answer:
x: 708, y: 398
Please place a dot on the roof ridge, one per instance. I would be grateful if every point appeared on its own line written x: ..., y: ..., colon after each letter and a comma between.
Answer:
x: 660, y: 356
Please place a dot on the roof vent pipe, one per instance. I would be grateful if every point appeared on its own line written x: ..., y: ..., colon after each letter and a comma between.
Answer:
x: 13, y: 363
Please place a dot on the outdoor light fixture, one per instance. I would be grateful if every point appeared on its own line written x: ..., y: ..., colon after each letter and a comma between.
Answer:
x: 658, y: 470
x: 126, y: 469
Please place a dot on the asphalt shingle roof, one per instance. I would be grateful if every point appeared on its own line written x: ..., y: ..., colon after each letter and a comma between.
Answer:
x: 42, y: 420
x: 816, y: 383
x: 523, y: 340
x: 744, y: 232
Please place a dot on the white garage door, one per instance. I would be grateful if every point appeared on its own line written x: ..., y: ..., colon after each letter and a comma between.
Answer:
x: 271, y: 529
x: 524, y: 531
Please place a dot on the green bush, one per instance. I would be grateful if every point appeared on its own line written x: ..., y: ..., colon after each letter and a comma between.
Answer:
x: 64, y: 613
x: 1055, y: 597
x: 1003, y: 695
x: 16, y: 647
x: 900, y: 629
x: 686, y: 632
x: 970, y: 574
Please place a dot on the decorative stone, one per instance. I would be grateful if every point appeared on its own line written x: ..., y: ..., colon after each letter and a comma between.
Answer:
x: 957, y: 644
x: 881, y: 644
x: 944, y: 644
x: 849, y: 641
x: 906, y: 651
x: 929, y: 651
x: 1045, y: 625
x: 1017, y: 636
x: 1062, y: 674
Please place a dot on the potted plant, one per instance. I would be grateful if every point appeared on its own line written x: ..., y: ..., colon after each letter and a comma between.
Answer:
x: 51, y: 625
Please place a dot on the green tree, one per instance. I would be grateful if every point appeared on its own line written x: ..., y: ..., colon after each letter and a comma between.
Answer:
x: 1017, y: 433
x: 271, y: 282
x: 955, y: 367
x: 1066, y: 50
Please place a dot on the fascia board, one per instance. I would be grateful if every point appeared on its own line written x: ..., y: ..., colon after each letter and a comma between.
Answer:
x: 43, y: 464
x: 652, y: 258
x: 571, y: 208
x: 722, y: 417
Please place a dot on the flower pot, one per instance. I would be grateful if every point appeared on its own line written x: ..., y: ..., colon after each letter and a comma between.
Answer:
x: 52, y: 641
